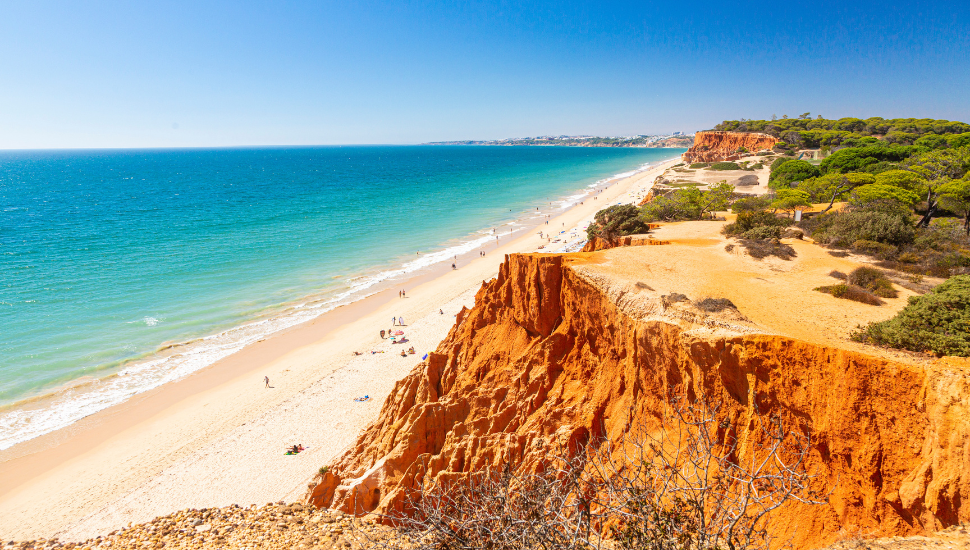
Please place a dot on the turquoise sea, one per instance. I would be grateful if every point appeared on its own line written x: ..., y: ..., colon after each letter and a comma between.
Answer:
x: 121, y: 270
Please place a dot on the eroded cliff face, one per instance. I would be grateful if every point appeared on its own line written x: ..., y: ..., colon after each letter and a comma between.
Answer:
x: 548, y: 357
x: 723, y: 146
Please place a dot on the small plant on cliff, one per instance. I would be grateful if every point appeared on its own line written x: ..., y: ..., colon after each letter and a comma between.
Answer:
x: 937, y: 322
x: 851, y: 292
x: 688, y: 483
x: 748, y: 220
x: 615, y: 221
x: 725, y: 166
x: 873, y: 280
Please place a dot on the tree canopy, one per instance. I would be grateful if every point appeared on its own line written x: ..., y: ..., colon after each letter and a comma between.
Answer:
x: 615, y: 221
x: 789, y: 172
x: 877, y: 192
x: 849, y: 131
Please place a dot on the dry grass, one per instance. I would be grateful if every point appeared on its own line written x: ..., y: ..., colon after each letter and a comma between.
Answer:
x: 713, y: 305
x: 851, y: 292
x: 872, y: 280
x: 762, y: 248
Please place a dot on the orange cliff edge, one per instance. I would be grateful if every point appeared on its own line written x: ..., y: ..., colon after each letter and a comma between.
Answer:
x: 547, y: 356
x: 724, y: 146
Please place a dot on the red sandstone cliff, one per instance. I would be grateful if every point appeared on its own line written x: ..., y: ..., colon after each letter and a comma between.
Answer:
x: 722, y: 146
x: 545, y: 355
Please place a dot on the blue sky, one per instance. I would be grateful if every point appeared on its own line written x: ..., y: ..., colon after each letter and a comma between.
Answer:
x: 177, y: 73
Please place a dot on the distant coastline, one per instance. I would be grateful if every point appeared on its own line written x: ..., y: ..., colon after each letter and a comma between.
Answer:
x: 675, y: 140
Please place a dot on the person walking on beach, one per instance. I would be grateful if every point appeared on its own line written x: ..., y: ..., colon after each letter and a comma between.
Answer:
x: 266, y: 379
x: 400, y: 321
x: 393, y: 321
x: 404, y: 294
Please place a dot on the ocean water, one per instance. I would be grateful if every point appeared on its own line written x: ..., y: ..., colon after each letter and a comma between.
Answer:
x: 122, y: 270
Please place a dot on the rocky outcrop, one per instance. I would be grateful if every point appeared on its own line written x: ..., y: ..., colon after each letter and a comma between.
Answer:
x: 723, y: 146
x: 548, y: 356
x: 598, y: 243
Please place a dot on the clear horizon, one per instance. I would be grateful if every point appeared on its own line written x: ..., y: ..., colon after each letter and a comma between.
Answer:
x: 119, y: 76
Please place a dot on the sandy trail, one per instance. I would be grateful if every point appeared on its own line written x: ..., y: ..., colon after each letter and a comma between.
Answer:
x: 217, y: 437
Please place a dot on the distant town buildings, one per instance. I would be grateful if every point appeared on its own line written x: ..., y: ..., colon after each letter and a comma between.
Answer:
x: 676, y: 139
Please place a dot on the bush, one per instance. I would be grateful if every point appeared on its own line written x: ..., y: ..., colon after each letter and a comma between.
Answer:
x: 882, y: 251
x: 763, y: 232
x: 790, y: 172
x: 714, y: 305
x: 940, y: 250
x: 747, y: 221
x: 851, y: 292
x: 873, y: 280
x: 724, y: 166
x: 938, y: 321
x: 700, y: 165
x: 838, y: 274
x: 615, y: 221
x: 762, y: 248
x: 778, y: 162
x: 756, y: 166
x: 845, y: 228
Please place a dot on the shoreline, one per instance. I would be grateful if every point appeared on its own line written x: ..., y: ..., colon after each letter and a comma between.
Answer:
x: 58, y: 406
x: 215, y: 437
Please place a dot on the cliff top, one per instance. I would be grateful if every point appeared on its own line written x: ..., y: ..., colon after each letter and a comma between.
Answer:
x: 772, y: 295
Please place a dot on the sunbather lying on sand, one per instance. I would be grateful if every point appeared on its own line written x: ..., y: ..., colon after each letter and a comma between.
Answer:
x: 411, y: 351
x: 365, y: 398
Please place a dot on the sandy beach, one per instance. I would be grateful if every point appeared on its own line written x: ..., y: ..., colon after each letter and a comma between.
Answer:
x: 218, y: 436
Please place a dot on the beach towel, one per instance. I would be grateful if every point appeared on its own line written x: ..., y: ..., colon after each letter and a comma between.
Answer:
x: 425, y: 357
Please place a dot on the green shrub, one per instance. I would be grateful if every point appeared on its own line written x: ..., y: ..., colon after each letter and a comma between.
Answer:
x: 873, y: 280
x: 725, y: 166
x: 615, y: 221
x: 851, y: 292
x: 938, y: 322
x: 778, y: 162
x: 747, y: 221
x: 700, y: 165
x: 790, y: 172
x: 845, y: 228
x: 882, y: 251
x: 763, y: 232
x: 756, y: 166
